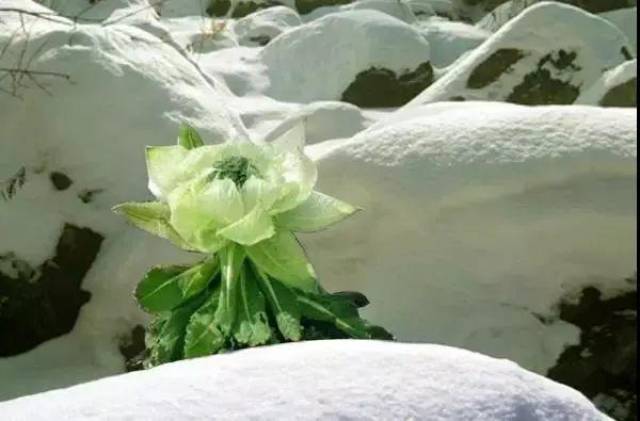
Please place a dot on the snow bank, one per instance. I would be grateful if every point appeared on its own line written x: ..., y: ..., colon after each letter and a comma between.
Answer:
x: 318, y: 380
x: 478, y: 218
x: 261, y: 27
x: 450, y: 40
x: 318, y: 61
x: 524, y: 65
x: 627, y: 21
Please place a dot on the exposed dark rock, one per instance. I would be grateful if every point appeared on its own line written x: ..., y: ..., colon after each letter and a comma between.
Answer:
x: 603, y: 364
x: 493, y: 67
x: 541, y: 88
x: 221, y: 7
x: 87, y: 195
x: 626, y: 54
x: 261, y: 39
x: 457, y: 98
x: 308, y: 6
x: 623, y: 95
x: 133, y: 349
x: 40, y: 304
x: 377, y: 87
x: 60, y: 181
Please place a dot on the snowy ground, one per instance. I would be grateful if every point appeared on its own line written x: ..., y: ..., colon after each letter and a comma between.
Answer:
x: 480, y: 216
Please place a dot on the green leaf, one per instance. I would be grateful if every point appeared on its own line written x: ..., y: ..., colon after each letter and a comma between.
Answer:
x: 189, y: 137
x: 203, y: 335
x: 282, y: 257
x: 253, y: 325
x: 254, y: 227
x: 231, y: 259
x: 317, y: 212
x: 284, y: 306
x: 164, y: 288
x: 335, y: 309
x: 166, y: 338
x: 152, y: 217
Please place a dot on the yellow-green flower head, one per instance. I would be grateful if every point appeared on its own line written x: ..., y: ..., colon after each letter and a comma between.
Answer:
x: 211, y: 196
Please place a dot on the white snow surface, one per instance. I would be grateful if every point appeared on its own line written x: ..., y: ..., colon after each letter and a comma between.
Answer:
x: 627, y: 21
x: 596, y: 43
x: 345, y: 379
x: 479, y: 216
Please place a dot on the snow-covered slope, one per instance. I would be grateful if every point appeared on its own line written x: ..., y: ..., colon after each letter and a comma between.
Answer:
x: 616, y: 88
x: 361, y: 380
x: 479, y: 218
x: 528, y: 66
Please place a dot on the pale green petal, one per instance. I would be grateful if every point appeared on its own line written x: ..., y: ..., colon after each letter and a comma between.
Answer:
x: 258, y: 191
x: 154, y: 218
x: 282, y: 257
x: 164, y: 168
x: 254, y: 227
x: 199, y: 209
x: 299, y: 174
x: 317, y: 212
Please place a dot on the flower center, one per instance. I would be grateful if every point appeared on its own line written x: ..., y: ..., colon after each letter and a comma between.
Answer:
x: 236, y: 168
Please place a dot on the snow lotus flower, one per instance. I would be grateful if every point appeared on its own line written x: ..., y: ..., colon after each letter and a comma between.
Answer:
x: 211, y: 197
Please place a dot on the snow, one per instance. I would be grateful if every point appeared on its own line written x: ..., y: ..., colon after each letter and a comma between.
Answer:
x: 614, y: 77
x: 596, y: 43
x: 627, y: 21
x: 343, y: 379
x: 479, y: 218
x: 342, y: 45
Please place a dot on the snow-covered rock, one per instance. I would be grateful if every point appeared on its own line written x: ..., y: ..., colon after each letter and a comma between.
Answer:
x: 450, y: 40
x: 479, y: 218
x: 627, y: 21
x: 319, y: 60
x: 318, y: 380
x: 523, y: 65
x: 114, y: 90
x: 261, y: 27
x: 616, y: 88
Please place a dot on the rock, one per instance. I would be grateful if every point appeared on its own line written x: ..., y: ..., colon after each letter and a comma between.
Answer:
x: 111, y: 90
x: 481, y: 216
x: 330, y: 52
x: 535, y: 68
x: 345, y: 379
x: 382, y: 88
x: 308, y: 6
x: 603, y: 364
x: 503, y: 10
x: 261, y: 27
x: 616, y: 88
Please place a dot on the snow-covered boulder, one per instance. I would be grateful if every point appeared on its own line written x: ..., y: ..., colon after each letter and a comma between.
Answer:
x: 627, y: 21
x: 479, y: 218
x: 523, y: 65
x: 616, y: 88
x: 320, y: 60
x: 450, y: 40
x: 398, y: 9
x: 261, y: 27
x: 338, y: 379
x: 72, y: 146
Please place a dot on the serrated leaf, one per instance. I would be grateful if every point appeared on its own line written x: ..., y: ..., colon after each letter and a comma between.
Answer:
x: 164, y: 288
x: 317, y: 212
x: 203, y: 336
x: 189, y: 138
x: 231, y: 259
x: 152, y: 217
x: 282, y: 257
x: 284, y: 306
x: 252, y: 327
x: 167, y: 344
